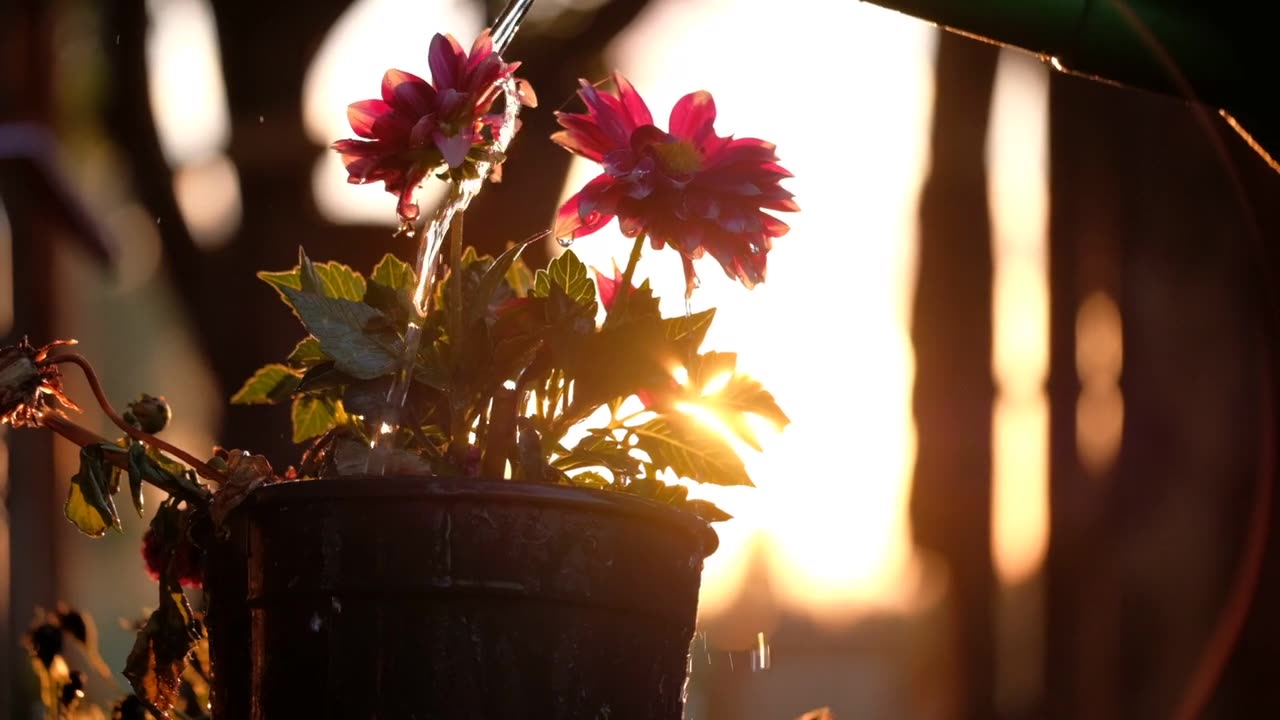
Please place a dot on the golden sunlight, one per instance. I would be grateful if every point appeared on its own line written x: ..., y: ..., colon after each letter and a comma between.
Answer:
x: 1017, y: 151
x: 827, y: 332
x: 184, y: 80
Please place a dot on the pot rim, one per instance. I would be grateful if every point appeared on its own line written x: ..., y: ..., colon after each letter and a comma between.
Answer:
x: 371, y: 487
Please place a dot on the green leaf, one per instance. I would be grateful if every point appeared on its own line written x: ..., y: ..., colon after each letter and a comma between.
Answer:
x: 570, y: 274
x: 590, y: 479
x: 281, y: 279
x: 394, y: 273
x: 520, y: 278
x: 640, y: 305
x: 740, y: 396
x: 315, y: 416
x: 691, y: 450
x: 138, y: 457
x: 599, y: 451
x: 344, y: 329
x: 331, y: 279
x: 306, y: 354
x: 496, y: 273
x: 271, y: 384
x: 89, y: 505
x: 688, y: 331
x: 160, y: 651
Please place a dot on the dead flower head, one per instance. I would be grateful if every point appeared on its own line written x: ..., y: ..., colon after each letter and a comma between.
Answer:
x: 30, y: 386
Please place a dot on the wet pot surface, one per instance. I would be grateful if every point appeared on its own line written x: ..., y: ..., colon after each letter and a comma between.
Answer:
x: 408, y: 598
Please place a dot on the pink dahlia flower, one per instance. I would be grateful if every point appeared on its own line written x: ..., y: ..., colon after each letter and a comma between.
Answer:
x: 420, y: 127
x: 688, y: 188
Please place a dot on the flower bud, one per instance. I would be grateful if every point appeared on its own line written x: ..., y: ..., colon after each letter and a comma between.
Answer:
x: 151, y: 413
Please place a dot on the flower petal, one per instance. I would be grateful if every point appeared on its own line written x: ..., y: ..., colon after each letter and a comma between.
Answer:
x: 582, y: 135
x: 446, y: 59
x: 407, y: 92
x: 362, y: 116
x: 635, y: 106
x: 454, y: 148
x: 693, y: 116
x: 575, y: 221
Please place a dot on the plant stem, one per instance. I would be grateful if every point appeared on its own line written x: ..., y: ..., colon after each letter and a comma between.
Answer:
x: 631, y: 262
x: 84, y: 437
x: 457, y: 420
x: 455, y: 270
x: 92, y: 376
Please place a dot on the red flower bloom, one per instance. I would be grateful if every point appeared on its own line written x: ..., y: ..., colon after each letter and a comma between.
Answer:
x: 188, y: 560
x: 419, y: 127
x: 688, y: 188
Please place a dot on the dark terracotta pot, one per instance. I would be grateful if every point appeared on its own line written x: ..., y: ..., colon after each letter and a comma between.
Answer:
x: 406, y: 598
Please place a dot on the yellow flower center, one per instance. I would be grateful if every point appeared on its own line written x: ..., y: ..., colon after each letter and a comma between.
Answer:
x: 679, y: 157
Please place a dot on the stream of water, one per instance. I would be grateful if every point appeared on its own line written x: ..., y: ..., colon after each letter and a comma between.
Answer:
x: 432, y: 239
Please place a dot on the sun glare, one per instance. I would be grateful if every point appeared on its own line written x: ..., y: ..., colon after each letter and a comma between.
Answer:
x: 827, y: 332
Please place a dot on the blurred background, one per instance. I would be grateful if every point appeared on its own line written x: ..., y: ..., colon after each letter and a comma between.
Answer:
x: 1020, y: 327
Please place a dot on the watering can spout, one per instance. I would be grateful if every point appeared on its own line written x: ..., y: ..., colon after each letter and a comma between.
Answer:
x: 1218, y: 54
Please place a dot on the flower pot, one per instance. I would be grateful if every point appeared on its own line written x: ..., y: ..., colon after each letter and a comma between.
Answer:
x: 425, y: 598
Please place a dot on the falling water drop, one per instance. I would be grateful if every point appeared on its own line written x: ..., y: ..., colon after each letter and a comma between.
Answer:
x: 565, y: 241
x: 760, y: 654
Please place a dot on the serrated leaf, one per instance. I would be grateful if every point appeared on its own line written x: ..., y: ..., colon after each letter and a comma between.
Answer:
x: 690, y: 450
x: 340, y: 281
x: 89, y: 506
x: 570, y: 274
x: 394, y: 273
x: 315, y: 416
x: 739, y: 396
x: 306, y: 354
x: 270, y: 384
x: 688, y: 331
x: 331, y: 279
x: 344, y: 330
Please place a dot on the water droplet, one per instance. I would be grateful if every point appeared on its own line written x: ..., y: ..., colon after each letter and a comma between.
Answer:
x: 760, y: 654
x: 754, y: 248
x: 730, y: 661
x: 315, y: 622
x: 117, y: 38
x: 157, y: 220
x: 261, y: 119
x: 688, y: 308
x: 565, y: 241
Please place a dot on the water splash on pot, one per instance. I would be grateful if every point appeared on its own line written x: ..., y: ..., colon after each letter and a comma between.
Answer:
x: 427, y: 266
